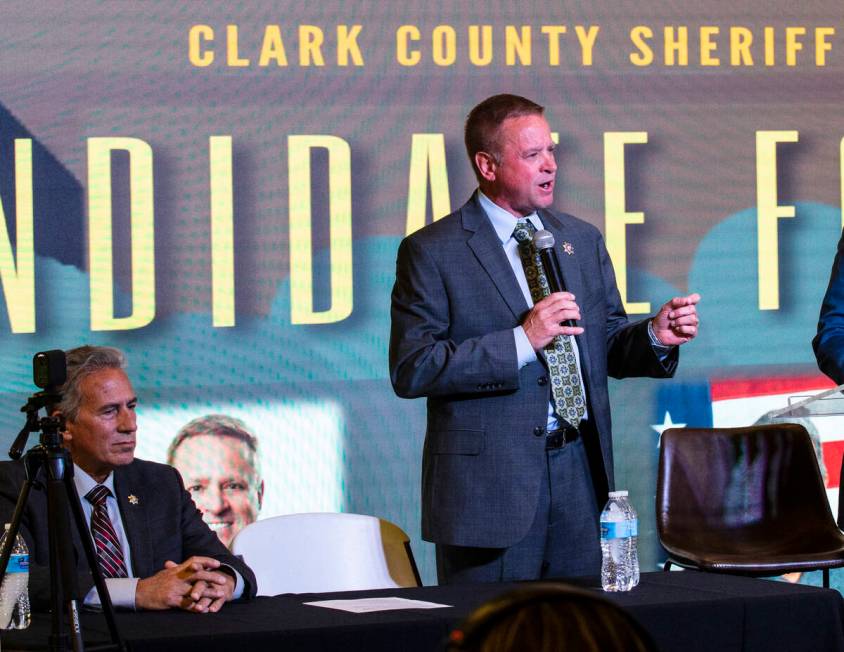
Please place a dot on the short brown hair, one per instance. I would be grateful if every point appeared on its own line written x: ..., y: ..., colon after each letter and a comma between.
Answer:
x: 484, y: 121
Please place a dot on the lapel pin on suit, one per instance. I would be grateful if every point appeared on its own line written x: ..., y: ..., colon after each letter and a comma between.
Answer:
x: 133, y: 499
x: 567, y: 247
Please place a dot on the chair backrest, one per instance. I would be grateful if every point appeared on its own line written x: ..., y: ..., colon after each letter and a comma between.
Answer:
x: 321, y: 552
x: 762, y: 477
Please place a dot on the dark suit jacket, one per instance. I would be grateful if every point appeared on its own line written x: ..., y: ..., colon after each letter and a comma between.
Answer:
x: 162, y: 524
x: 829, y: 342
x: 454, y: 306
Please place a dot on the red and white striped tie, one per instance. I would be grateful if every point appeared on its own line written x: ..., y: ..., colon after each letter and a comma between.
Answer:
x: 108, y: 548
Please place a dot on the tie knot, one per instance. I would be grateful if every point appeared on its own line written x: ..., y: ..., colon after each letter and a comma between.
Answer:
x: 524, y: 231
x: 98, y: 495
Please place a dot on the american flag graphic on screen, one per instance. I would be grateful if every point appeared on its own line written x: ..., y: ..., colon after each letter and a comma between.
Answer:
x: 734, y: 402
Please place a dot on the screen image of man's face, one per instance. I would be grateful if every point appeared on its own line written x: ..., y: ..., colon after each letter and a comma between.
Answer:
x: 220, y: 474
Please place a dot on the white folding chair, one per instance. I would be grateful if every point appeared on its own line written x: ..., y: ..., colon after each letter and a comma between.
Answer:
x: 321, y: 552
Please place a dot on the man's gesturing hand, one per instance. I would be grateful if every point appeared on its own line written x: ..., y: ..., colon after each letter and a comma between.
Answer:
x: 677, y: 321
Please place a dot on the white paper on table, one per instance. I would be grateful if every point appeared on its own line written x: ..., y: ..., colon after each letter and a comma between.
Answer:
x: 365, y: 605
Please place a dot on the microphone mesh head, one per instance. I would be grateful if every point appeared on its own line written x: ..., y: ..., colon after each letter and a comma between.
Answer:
x: 543, y: 240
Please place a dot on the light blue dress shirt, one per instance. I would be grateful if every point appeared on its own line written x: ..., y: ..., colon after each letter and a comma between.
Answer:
x: 504, y: 223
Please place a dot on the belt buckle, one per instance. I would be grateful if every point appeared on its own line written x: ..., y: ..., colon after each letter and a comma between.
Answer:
x: 560, y: 437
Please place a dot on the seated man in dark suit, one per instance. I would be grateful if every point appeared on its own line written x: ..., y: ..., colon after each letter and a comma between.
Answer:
x: 153, y: 547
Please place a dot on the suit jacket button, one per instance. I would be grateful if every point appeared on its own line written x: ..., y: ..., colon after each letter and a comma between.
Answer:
x: 539, y: 431
x: 542, y: 381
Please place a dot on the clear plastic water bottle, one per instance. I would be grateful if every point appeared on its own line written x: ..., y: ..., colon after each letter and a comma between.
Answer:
x: 619, y: 534
x: 14, y: 592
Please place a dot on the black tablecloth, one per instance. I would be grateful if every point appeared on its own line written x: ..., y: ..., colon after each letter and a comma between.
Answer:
x: 684, y: 611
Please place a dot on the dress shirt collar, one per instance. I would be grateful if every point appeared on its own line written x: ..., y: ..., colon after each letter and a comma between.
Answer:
x: 84, y: 482
x: 502, y: 221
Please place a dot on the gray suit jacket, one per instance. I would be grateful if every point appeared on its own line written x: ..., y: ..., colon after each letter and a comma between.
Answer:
x: 161, y: 522
x: 454, y: 306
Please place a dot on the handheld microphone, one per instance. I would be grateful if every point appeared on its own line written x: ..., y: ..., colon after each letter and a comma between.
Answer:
x: 543, y: 241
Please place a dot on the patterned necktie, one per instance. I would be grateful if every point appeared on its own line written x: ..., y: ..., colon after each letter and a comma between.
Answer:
x: 108, y: 548
x: 566, y: 384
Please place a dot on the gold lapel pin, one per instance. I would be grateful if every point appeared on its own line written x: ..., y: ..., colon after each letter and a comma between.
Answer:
x: 133, y: 499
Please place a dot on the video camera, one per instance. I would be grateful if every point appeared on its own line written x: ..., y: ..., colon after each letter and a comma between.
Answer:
x: 49, y: 372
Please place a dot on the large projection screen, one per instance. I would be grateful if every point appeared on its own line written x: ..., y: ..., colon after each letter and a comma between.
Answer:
x: 220, y: 188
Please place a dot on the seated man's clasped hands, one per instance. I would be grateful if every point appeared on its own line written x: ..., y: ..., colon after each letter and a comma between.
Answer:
x: 197, y: 584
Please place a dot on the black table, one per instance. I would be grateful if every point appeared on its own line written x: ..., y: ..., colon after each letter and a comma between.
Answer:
x: 684, y: 611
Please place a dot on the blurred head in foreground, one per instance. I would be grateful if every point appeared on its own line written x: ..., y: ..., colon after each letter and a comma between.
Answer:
x: 550, y: 618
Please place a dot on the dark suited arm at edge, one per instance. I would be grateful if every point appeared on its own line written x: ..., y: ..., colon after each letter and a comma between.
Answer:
x: 829, y: 341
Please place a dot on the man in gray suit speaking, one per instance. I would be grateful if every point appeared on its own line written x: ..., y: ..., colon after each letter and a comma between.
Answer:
x: 518, y: 449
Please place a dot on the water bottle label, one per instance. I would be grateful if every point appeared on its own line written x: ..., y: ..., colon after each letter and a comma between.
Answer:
x: 619, y: 529
x: 18, y: 564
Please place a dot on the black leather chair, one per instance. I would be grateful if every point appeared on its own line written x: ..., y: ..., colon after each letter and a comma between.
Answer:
x: 745, y: 501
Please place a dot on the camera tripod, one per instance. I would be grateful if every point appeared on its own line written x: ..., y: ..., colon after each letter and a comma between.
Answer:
x: 49, y: 465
